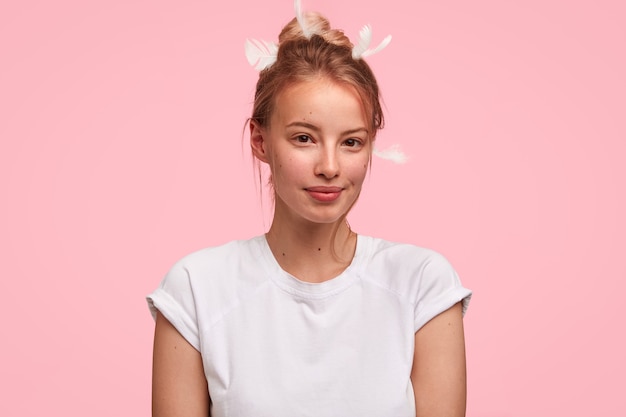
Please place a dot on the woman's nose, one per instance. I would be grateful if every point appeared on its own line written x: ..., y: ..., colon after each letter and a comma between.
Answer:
x: 327, y: 164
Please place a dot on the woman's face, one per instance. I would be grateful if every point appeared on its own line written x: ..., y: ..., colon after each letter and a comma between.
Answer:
x: 318, y: 148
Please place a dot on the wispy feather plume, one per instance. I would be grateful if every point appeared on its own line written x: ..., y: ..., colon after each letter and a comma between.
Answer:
x: 365, y: 38
x: 392, y: 153
x: 261, y: 54
x: 361, y: 49
x: 379, y: 48
x: 300, y: 17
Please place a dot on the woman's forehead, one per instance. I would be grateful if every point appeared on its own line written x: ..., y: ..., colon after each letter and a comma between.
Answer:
x: 320, y: 100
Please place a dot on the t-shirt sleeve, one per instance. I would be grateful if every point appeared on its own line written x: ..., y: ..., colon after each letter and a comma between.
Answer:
x: 174, y: 299
x: 439, y: 289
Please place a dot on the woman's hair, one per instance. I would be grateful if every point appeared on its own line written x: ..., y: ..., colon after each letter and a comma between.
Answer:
x: 326, y: 54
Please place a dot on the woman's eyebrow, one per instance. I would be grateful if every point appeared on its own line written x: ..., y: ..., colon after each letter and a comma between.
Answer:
x: 351, y: 131
x: 304, y: 124
x: 317, y: 129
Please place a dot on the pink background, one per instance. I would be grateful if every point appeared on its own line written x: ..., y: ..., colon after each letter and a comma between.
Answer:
x: 122, y: 150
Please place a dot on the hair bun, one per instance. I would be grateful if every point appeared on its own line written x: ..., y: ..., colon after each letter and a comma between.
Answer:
x: 316, y: 24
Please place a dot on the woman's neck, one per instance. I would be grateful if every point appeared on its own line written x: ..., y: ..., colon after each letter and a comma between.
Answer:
x: 312, y: 252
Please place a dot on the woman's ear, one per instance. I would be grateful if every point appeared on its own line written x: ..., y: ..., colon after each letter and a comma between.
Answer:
x: 257, y: 142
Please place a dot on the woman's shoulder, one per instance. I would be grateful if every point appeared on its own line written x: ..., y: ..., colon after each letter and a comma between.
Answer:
x: 403, y: 255
x: 218, y: 268
x: 218, y: 271
x: 216, y: 275
x: 408, y: 269
x: 225, y: 254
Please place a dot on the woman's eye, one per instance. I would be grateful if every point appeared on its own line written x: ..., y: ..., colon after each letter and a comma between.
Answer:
x: 352, y: 142
x: 303, y: 138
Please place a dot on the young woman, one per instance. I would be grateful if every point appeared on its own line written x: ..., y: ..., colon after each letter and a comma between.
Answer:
x: 311, y: 319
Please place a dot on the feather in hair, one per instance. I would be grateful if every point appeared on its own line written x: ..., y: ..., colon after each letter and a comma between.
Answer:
x: 361, y: 49
x: 392, y: 153
x: 300, y: 17
x: 365, y: 38
x: 261, y: 54
x: 379, y: 48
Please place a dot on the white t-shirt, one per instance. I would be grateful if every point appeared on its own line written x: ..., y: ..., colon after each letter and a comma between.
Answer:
x: 275, y: 346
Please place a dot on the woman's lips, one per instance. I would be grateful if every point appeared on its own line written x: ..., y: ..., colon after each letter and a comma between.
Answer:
x: 324, y: 194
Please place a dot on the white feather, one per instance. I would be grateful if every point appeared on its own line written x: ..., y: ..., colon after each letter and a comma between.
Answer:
x: 392, y: 153
x: 365, y: 38
x: 300, y: 17
x: 379, y: 48
x: 261, y: 54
